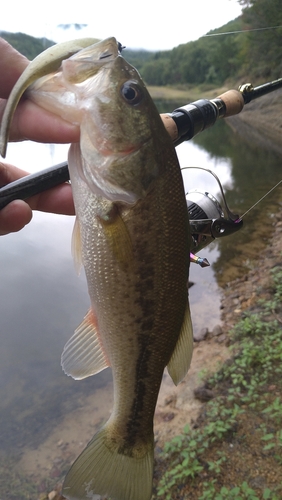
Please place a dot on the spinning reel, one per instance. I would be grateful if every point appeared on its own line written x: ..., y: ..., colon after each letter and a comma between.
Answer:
x: 208, y: 220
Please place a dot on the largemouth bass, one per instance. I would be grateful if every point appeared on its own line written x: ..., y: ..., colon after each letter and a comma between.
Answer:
x: 132, y: 237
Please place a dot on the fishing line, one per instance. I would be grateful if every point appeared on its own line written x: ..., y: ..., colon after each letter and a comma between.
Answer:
x: 255, y: 204
x: 242, y: 31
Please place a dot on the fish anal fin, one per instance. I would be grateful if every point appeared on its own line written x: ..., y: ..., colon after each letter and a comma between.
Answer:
x: 83, y: 354
x: 102, y: 470
x: 76, y: 249
x: 117, y: 235
x: 181, y: 357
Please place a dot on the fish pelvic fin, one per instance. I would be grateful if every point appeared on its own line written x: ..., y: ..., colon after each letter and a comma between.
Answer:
x: 180, y: 360
x: 102, y: 471
x: 117, y: 235
x: 76, y: 248
x: 83, y: 354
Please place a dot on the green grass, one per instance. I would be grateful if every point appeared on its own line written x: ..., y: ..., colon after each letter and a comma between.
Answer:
x: 245, y: 415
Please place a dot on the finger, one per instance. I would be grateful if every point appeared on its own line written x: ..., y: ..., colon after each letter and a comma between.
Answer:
x: 57, y: 200
x: 14, y: 217
x: 10, y: 173
x: 12, y: 65
x: 36, y: 124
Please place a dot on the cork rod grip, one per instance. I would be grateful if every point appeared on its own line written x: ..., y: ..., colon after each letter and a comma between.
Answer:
x: 234, y: 102
x: 170, y: 126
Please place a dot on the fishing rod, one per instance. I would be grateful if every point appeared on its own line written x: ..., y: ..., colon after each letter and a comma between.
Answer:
x: 207, y: 218
x: 182, y: 125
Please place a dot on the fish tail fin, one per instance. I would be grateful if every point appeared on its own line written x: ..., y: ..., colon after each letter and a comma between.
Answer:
x: 104, y: 472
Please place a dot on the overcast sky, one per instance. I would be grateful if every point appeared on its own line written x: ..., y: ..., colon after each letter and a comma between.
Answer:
x: 148, y: 24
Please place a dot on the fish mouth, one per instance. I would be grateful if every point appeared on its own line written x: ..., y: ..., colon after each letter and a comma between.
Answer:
x: 120, y: 47
x: 104, y: 55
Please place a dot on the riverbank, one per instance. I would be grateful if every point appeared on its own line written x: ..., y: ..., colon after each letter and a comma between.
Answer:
x: 233, y: 448
x: 261, y: 121
x: 186, y: 94
x: 237, y: 435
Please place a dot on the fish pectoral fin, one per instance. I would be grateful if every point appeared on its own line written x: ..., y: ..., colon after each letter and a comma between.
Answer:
x: 83, y: 354
x: 102, y: 469
x: 76, y: 248
x: 181, y: 357
x: 117, y: 235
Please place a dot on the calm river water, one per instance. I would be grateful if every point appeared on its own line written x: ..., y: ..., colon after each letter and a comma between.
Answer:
x: 42, y: 299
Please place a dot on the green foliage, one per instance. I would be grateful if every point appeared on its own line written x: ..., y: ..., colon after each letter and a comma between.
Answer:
x: 207, y: 60
x: 27, y: 45
x: 244, y: 50
x: 243, y: 492
x: 156, y: 72
x: 264, y: 46
x: 185, y: 452
x: 137, y: 57
x: 241, y: 53
x: 241, y: 384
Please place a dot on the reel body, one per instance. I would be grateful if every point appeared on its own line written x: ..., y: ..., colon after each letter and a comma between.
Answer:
x: 207, y: 218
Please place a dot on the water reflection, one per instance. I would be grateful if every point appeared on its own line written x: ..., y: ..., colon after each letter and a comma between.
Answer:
x: 254, y: 170
x: 42, y: 301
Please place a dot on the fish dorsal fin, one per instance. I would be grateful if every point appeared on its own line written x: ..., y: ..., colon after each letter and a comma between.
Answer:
x: 83, y: 354
x: 181, y: 357
x: 45, y: 63
x: 76, y: 248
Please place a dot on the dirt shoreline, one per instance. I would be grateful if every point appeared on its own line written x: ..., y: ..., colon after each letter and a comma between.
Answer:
x: 261, y: 121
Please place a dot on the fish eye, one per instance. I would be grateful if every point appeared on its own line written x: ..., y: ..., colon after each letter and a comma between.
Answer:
x: 131, y: 93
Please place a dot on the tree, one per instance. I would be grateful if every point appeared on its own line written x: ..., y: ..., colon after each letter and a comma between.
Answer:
x: 264, y: 44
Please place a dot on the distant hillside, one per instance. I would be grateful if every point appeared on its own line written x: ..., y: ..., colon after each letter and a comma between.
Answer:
x: 137, y: 57
x: 26, y: 44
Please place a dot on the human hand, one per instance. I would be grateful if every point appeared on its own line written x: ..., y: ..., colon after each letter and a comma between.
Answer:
x: 29, y: 121
x: 33, y: 123
x: 18, y: 213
